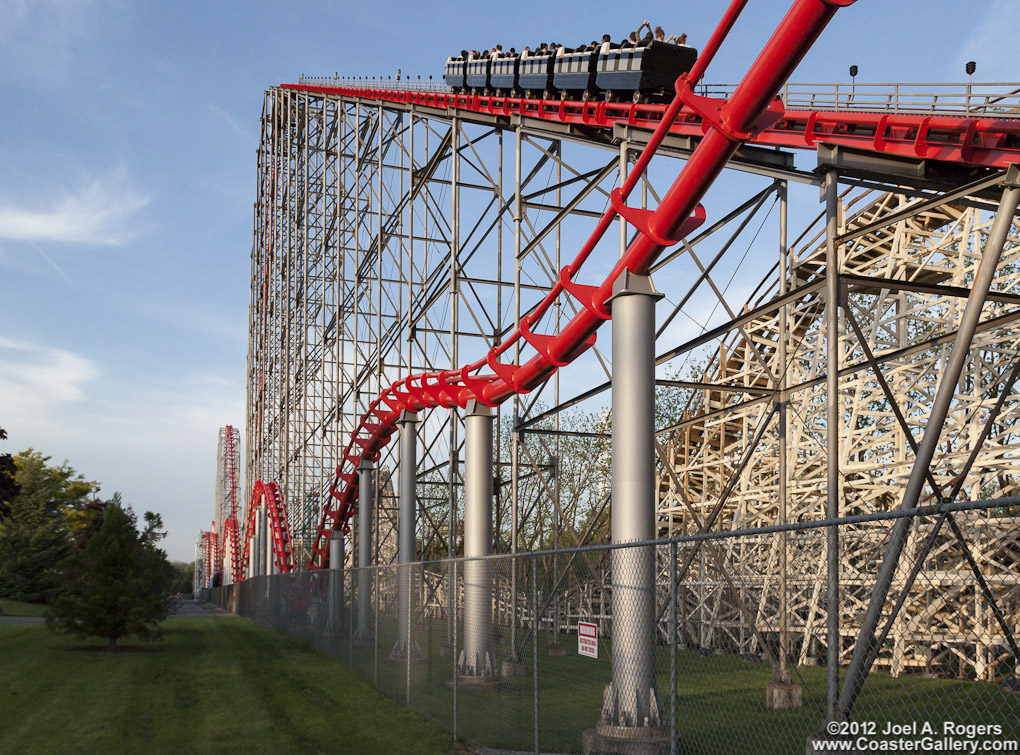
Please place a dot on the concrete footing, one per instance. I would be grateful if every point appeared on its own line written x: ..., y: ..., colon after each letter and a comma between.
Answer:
x: 782, y: 693
x: 514, y: 668
x: 482, y: 665
x: 626, y: 740
x: 400, y: 651
x: 362, y: 640
x: 779, y: 696
x: 480, y: 672
x: 464, y: 681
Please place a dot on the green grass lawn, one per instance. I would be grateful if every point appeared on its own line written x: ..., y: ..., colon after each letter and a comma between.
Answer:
x: 720, y: 698
x: 215, y: 684
x: 17, y: 608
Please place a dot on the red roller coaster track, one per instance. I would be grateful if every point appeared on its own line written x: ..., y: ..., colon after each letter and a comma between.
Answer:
x: 961, y: 139
x: 752, y: 112
x: 230, y: 530
x: 279, y: 529
x: 211, y: 552
x: 230, y: 537
x: 968, y: 140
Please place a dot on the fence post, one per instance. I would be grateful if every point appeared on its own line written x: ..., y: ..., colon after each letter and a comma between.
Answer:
x: 534, y: 646
x: 410, y: 638
x: 672, y: 649
x: 375, y: 630
x: 350, y: 624
x: 453, y: 655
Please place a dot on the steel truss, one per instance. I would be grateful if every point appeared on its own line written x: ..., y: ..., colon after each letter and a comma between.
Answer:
x: 397, y: 275
x: 392, y: 239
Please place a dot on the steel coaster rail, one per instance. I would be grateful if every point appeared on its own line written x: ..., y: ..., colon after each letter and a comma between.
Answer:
x: 992, y: 98
x: 752, y: 108
x: 979, y: 138
x: 982, y: 140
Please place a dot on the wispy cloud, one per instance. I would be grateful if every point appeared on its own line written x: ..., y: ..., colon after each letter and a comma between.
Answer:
x: 248, y: 135
x: 153, y: 439
x: 100, y: 213
x: 55, y: 266
x: 35, y: 377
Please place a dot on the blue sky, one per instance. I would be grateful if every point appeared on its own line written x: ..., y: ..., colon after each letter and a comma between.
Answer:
x: 128, y: 140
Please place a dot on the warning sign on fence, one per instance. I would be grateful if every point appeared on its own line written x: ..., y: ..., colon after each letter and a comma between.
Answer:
x: 587, y: 639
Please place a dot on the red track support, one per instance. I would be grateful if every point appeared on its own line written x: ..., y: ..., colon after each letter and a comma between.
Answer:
x: 752, y: 110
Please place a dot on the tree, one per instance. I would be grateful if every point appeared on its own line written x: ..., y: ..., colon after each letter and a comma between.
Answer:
x: 8, y: 484
x: 184, y: 576
x: 118, y: 584
x: 35, y: 537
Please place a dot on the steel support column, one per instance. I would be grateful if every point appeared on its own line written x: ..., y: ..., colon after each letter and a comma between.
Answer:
x: 267, y: 534
x: 194, y: 574
x: 336, y: 551
x: 833, y: 481
x: 476, y: 658
x: 253, y: 549
x: 632, y: 708
x: 264, y: 554
x: 336, y: 580
x: 406, y: 551
x: 366, y: 496
x: 865, y: 649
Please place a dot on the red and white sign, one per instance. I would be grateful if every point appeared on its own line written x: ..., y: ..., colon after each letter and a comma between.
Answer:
x: 587, y: 639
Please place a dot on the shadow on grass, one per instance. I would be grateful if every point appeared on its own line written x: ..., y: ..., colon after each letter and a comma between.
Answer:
x: 104, y: 649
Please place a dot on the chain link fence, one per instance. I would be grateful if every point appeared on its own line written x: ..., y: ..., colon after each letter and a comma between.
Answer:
x: 726, y: 654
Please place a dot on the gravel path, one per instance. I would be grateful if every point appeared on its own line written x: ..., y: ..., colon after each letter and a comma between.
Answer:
x: 194, y: 608
x: 189, y: 608
x: 22, y: 620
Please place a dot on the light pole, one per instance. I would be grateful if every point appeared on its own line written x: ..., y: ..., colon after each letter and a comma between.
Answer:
x: 970, y: 68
